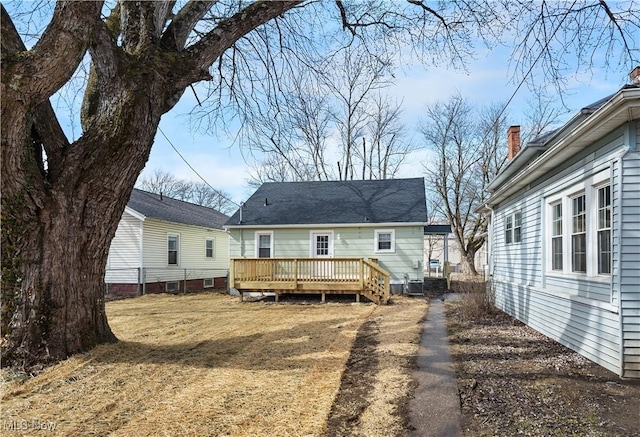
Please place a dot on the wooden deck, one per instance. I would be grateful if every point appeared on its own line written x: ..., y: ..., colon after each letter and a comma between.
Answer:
x: 311, y: 275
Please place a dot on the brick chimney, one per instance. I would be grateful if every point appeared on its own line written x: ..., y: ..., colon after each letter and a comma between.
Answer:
x: 513, y: 141
x: 635, y: 75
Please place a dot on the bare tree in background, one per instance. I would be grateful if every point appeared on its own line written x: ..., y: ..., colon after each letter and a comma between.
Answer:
x: 62, y: 197
x: 468, y: 146
x: 199, y: 193
x: 336, y: 125
x: 541, y: 116
x: 388, y: 145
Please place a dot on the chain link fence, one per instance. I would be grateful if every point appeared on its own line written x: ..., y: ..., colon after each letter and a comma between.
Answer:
x: 121, y: 283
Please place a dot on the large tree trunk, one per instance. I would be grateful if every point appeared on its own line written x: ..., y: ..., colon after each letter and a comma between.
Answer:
x: 468, y: 262
x: 57, y: 229
x: 61, y: 202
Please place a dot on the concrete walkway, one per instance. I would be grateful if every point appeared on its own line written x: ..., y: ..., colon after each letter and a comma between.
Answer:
x: 435, y: 408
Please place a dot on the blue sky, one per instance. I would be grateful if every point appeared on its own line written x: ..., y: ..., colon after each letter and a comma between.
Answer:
x: 487, y: 80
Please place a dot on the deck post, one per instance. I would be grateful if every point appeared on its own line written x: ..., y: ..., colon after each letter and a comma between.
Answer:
x: 358, y: 297
x: 242, y: 296
x: 361, y: 274
x: 232, y: 269
x: 295, y: 274
x: 323, y: 298
x: 277, y: 297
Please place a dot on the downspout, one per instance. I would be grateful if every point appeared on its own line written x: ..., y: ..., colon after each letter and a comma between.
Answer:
x: 142, y: 274
x: 490, y: 243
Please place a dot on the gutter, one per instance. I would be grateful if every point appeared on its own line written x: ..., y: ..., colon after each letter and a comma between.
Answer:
x: 615, y: 110
x: 325, y: 225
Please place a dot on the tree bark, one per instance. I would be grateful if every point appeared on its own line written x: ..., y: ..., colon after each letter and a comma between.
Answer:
x: 468, y: 262
x: 62, y: 202
x: 57, y: 226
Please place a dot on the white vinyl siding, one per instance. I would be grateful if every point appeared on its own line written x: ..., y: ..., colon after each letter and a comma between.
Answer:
x: 587, y: 329
x: 595, y: 313
x: 629, y: 259
x: 191, y: 255
x: 125, y: 257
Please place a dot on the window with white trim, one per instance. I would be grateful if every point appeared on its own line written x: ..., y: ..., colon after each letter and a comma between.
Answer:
x: 385, y: 240
x: 579, y: 234
x: 578, y: 223
x: 264, y: 244
x: 604, y: 230
x: 173, y: 249
x: 209, y: 247
x: 556, y: 237
x: 513, y: 228
x: 207, y: 283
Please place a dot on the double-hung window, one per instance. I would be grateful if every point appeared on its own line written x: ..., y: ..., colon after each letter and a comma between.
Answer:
x: 579, y: 234
x: 513, y: 228
x: 385, y: 240
x: 604, y: 230
x: 556, y: 237
x: 579, y: 228
x: 209, y: 248
x: 264, y: 244
x: 173, y: 247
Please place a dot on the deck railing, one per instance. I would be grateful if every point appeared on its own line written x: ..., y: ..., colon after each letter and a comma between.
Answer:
x: 325, y: 275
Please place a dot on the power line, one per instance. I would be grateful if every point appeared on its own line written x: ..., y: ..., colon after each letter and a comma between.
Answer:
x: 193, y: 169
x: 533, y: 64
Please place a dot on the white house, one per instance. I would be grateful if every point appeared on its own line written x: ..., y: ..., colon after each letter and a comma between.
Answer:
x: 565, y: 232
x: 164, y: 244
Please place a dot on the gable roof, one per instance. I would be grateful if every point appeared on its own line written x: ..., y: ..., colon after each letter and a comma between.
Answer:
x: 334, y: 202
x: 172, y: 210
x: 551, y: 149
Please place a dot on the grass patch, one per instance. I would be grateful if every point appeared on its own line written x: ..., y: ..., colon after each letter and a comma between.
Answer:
x: 197, y: 365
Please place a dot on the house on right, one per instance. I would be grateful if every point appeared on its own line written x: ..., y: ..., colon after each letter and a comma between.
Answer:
x: 564, y: 237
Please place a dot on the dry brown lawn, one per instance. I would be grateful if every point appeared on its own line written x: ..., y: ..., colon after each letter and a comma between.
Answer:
x: 209, y: 365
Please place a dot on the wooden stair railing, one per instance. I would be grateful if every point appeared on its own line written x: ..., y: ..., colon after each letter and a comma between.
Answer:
x: 376, y: 282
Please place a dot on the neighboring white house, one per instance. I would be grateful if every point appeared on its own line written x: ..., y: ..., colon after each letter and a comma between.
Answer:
x: 565, y: 232
x: 434, y: 252
x: 164, y: 244
x: 370, y: 219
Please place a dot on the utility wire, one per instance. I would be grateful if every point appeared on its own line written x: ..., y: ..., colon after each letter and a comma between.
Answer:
x: 524, y: 78
x: 193, y: 169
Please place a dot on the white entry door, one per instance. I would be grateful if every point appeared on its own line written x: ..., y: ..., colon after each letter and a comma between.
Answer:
x: 322, y: 247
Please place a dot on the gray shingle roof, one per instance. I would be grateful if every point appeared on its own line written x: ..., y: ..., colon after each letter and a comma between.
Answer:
x: 176, y: 211
x: 335, y: 202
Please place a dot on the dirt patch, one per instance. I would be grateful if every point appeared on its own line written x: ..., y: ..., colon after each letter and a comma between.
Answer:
x: 515, y: 381
x: 377, y: 383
